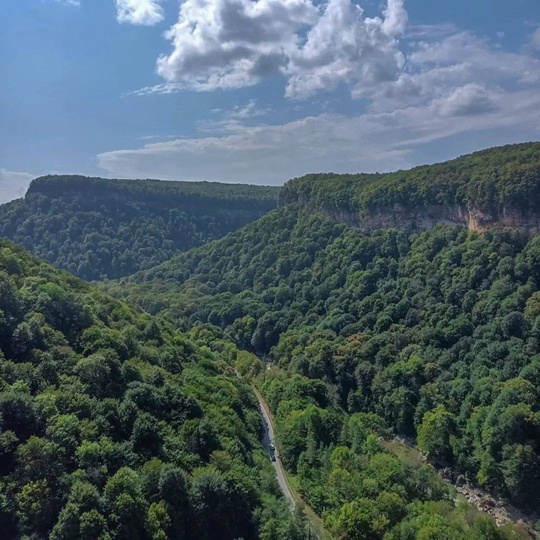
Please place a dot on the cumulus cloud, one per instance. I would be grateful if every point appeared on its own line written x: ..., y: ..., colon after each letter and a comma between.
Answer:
x: 395, y: 18
x: 232, y: 43
x: 235, y: 43
x: 345, y: 47
x: 139, y: 12
x: 447, y: 64
x: 420, y: 84
x: 13, y: 185
x: 320, y: 46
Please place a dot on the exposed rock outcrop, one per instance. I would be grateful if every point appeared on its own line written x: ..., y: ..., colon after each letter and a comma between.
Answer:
x: 424, y: 218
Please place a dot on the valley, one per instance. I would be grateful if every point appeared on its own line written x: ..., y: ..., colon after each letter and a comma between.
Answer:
x: 269, y: 270
x: 141, y: 396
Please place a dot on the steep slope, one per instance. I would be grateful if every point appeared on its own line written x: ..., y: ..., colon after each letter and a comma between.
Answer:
x: 436, y: 333
x: 498, y: 186
x: 396, y: 324
x: 98, y: 228
x: 113, y: 426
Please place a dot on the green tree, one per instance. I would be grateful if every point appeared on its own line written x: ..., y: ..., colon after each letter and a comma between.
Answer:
x: 435, y: 435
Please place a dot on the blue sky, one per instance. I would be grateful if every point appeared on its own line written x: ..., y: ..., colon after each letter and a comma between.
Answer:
x: 259, y: 91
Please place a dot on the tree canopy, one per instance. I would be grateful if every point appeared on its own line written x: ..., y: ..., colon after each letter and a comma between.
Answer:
x: 490, y: 180
x: 98, y: 228
x: 112, y: 425
x: 117, y: 422
x: 435, y: 332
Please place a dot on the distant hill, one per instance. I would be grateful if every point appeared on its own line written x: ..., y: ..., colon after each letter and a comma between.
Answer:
x: 98, y: 228
x: 498, y: 186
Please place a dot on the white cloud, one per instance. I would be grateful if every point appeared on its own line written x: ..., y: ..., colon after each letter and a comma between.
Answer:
x: 13, y: 185
x: 74, y: 3
x: 260, y: 154
x: 345, y: 47
x: 267, y: 154
x: 156, y: 137
x: 232, y: 120
x: 395, y: 18
x: 320, y: 46
x: 235, y: 43
x: 249, y: 110
x: 232, y: 43
x: 140, y: 12
x: 467, y: 100
x: 168, y: 88
x: 421, y: 84
x: 442, y: 62
x: 534, y: 40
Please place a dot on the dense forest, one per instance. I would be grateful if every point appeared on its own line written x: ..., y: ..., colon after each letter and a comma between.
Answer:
x: 493, y: 181
x: 435, y: 332
x: 97, y: 228
x: 118, y: 422
x: 363, y: 483
x: 433, y: 336
x: 112, y: 426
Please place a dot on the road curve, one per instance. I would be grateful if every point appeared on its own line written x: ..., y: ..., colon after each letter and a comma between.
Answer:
x: 269, y: 439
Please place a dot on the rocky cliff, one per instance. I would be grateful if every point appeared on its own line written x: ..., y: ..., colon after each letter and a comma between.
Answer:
x: 425, y: 217
x: 498, y: 187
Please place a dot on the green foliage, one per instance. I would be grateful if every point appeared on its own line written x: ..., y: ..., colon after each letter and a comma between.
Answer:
x: 508, y: 176
x: 98, y: 228
x: 364, y: 486
x: 114, y: 426
x: 436, y: 332
x: 435, y: 435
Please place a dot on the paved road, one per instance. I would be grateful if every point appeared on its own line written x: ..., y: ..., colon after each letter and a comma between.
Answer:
x: 267, y: 441
x: 316, y: 525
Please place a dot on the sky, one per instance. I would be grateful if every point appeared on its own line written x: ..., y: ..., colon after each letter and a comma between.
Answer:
x: 260, y: 91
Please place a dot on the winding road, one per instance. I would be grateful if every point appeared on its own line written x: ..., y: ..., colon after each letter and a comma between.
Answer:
x: 268, y: 441
x: 316, y: 527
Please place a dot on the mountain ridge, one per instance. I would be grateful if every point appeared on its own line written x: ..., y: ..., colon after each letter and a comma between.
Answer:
x: 62, y: 184
x: 497, y: 187
x: 437, y: 332
x: 98, y: 228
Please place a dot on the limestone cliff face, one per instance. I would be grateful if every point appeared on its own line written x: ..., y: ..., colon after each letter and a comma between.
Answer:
x: 424, y: 218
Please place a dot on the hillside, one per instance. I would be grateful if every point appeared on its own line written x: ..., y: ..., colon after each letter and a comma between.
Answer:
x: 114, y: 426
x: 433, y: 335
x: 494, y: 187
x: 97, y: 228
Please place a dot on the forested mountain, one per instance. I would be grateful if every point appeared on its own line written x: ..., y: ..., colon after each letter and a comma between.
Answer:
x: 112, y: 426
x: 433, y: 335
x: 98, y: 228
x: 494, y: 186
